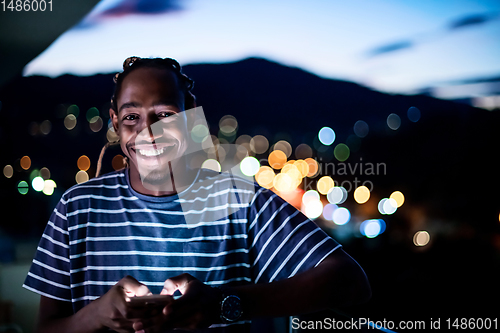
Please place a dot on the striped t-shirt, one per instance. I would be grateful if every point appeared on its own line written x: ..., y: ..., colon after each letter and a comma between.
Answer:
x: 103, y: 230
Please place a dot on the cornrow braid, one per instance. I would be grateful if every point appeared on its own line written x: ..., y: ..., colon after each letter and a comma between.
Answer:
x: 132, y: 63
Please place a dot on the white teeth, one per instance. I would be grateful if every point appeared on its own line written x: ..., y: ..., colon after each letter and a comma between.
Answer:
x: 152, y: 152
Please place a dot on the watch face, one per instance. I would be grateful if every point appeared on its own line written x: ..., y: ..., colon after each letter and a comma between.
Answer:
x: 231, y: 308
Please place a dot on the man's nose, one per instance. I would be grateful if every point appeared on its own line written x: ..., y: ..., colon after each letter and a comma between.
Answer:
x: 148, y: 130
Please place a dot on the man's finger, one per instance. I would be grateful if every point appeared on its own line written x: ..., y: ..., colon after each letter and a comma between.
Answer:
x: 133, y: 287
x: 178, y: 282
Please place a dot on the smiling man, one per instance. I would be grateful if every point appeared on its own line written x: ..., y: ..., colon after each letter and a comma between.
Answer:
x: 234, y: 250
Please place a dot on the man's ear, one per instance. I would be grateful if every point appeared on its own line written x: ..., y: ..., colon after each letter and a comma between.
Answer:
x: 114, y: 120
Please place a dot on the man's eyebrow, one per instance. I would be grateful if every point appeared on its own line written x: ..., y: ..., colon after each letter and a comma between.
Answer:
x: 128, y: 105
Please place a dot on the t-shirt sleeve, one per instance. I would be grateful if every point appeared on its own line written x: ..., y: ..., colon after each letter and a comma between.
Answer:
x: 49, y: 274
x: 282, y: 240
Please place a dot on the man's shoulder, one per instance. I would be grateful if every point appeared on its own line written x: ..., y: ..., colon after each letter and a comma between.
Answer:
x: 109, y: 181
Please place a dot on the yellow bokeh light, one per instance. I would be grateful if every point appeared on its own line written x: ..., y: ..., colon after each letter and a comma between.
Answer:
x: 277, y: 159
x: 362, y: 194
x: 325, y: 184
x: 313, y: 167
x: 398, y: 197
x: 265, y: 176
x: 284, y: 183
x: 25, y: 162
x: 83, y: 163
x: 302, y: 166
x: 421, y: 238
x: 118, y: 162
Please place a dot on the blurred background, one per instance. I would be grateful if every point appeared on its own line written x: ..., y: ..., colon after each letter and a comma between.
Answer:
x: 379, y: 120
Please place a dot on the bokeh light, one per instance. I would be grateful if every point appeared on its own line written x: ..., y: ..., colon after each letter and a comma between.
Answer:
x: 337, y: 195
x: 91, y: 113
x: 111, y: 135
x: 313, y: 208
x: 249, y: 166
x: 302, y: 166
x: 25, y: 162
x: 199, y: 133
x: 277, y: 159
x: 393, y: 121
x: 70, y: 121
x: 398, y: 197
x: 73, y: 110
x: 325, y: 184
x: 83, y: 163
x: 313, y: 167
x: 259, y: 144
x: 37, y: 183
x: 303, y: 151
x: 387, y: 206
x: 361, y: 128
x: 45, y: 127
x: 118, y: 162
x: 362, y: 194
x: 341, y: 152
x: 211, y: 164
x: 372, y: 228
x: 228, y: 125
x: 413, y: 114
x: 284, y: 146
x: 96, y: 124
x: 44, y: 173
x: 265, y: 177
x: 341, y: 216
x: 81, y: 177
x: 22, y: 187
x: 310, y: 195
x: 48, y: 187
x: 328, y: 211
x: 421, y: 238
x: 8, y: 171
x: 326, y: 136
x: 284, y: 183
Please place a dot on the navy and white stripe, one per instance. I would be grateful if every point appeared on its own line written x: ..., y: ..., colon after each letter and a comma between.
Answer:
x: 103, y: 230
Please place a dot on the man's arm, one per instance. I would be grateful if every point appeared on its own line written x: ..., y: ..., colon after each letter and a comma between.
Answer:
x: 111, y: 310
x: 337, y: 281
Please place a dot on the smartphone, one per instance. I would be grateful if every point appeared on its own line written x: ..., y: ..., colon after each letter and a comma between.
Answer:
x: 150, y: 301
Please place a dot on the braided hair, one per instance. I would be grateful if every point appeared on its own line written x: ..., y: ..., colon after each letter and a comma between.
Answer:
x: 132, y: 63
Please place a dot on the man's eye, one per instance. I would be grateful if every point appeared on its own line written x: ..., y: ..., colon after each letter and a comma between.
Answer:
x: 130, y: 117
x: 165, y: 114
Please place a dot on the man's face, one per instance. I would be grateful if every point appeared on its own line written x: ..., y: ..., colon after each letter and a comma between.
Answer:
x: 151, y: 96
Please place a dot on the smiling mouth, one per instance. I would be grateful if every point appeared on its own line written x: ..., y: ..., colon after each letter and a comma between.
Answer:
x: 153, y: 152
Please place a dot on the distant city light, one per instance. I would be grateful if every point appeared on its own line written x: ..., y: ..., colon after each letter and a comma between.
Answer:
x: 326, y: 136
x: 8, y: 171
x: 22, y: 187
x: 421, y: 238
x: 413, y: 114
x: 48, y: 187
x: 325, y: 184
x: 25, y: 162
x: 284, y: 146
x: 393, y: 121
x: 362, y: 194
x: 398, y: 197
x: 91, y: 113
x: 265, y: 176
x: 259, y: 144
x: 37, y: 183
x: 74, y: 110
x: 361, y: 128
x: 337, y: 195
x: 45, y: 127
x: 341, y: 152
x: 303, y: 151
x: 328, y: 211
x: 96, y: 124
x: 313, y: 167
x: 341, y: 216
x: 372, y: 228
x: 118, y: 162
x: 81, y: 177
x: 310, y: 195
x: 199, y: 133
x: 83, y: 163
x: 387, y: 206
x: 70, y: 121
x: 44, y: 173
x: 277, y: 159
x: 211, y: 164
x: 228, y: 125
x: 249, y: 166
x: 313, y: 208
x: 284, y: 183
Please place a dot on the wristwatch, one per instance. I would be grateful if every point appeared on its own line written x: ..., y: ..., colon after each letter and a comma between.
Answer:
x: 230, y: 307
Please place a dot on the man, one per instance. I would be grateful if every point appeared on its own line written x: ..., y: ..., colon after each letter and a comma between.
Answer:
x: 178, y: 229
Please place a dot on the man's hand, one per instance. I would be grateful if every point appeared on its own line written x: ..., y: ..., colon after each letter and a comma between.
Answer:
x: 112, y: 309
x: 197, y: 308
